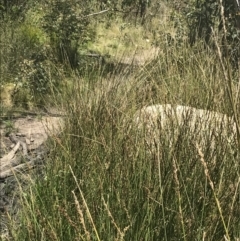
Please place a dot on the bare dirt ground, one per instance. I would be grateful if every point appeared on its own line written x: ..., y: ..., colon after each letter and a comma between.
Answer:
x: 22, y: 150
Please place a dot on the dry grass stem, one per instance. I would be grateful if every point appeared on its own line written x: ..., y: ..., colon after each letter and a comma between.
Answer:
x: 85, y: 205
x: 120, y: 233
x: 212, y: 187
x: 175, y: 171
x: 81, y: 216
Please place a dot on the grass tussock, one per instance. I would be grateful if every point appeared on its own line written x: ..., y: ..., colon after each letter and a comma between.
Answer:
x: 103, y: 181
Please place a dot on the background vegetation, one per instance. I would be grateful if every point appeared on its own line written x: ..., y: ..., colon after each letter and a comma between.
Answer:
x: 102, y: 181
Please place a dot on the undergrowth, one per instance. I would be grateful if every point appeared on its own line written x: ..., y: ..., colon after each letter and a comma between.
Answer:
x: 102, y: 181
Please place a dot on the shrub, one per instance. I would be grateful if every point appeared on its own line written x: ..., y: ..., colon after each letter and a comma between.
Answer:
x: 67, y: 24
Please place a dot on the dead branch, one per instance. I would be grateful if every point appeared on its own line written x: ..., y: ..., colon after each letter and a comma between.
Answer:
x: 7, y: 158
x: 20, y: 168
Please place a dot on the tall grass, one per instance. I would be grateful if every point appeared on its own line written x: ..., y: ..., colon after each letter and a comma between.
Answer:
x: 102, y: 180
